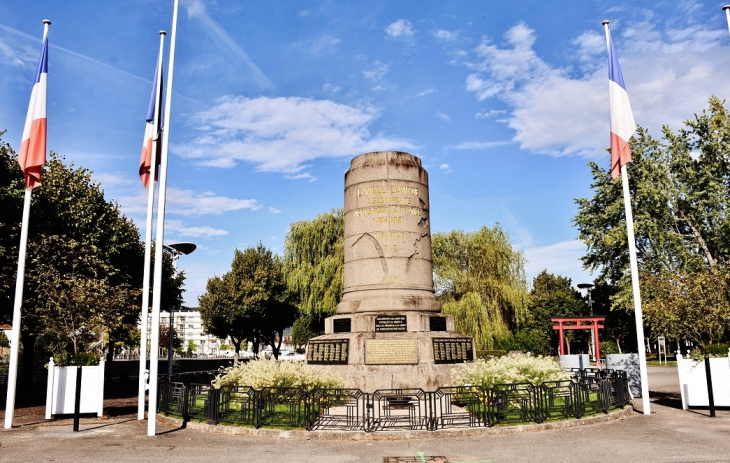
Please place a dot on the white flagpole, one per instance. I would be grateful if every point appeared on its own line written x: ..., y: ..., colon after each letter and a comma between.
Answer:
x: 148, y: 242
x: 19, y: 282
x: 160, y: 235
x: 634, y: 279
x: 727, y: 15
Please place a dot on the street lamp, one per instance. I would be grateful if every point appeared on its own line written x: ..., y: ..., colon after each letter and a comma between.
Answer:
x: 589, y: 287
x: 175, y: 249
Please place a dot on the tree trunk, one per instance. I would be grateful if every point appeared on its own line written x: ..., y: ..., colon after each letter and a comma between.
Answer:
x: 618, y: 344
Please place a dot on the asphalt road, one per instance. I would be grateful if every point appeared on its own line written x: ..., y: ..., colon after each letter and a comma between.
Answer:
x: 667, y: 435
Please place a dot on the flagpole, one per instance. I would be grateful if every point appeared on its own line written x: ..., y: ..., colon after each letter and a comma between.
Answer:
x: 15, y: 342
x: 148, y: 243
x: 727, y: 15
x: 19, y: 283
x: 160, y: 235
x: 634, y: 278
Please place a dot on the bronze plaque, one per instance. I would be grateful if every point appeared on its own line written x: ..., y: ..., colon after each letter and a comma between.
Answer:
x: 437, y: 323
x: 391, y: 324
x: 342, y: 325
x: 327, y: 352
x: 390, y: 352
x: 452, y: 350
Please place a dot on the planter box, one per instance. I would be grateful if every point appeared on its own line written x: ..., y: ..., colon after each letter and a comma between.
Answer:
x: 61, y: 390
x: 630, y: 364
x: 693, y: 382
x: 581, y: 361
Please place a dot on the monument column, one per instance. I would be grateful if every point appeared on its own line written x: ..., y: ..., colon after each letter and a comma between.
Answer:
x: 389, y: 331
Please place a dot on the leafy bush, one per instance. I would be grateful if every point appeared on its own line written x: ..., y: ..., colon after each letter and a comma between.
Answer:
x: 270, y: 373
x: 609, y: 347
x: 487, y: 354
x: 511, y: 368
x: 84, y: 359
x: 4, y: 342
x: 711, y: 350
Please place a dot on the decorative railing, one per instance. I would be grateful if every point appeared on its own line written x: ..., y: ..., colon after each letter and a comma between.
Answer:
x: 588, y: 393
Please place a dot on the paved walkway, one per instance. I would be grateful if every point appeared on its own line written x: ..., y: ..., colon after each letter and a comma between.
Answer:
x: 667, y: 435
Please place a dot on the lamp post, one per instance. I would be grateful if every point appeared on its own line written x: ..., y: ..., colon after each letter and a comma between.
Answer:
x: 175, y: 249
x: 589, y: 287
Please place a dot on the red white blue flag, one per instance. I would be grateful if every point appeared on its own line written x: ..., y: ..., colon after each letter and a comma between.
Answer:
x: 151, y: 132
x: 32, y: 155
x: 622, y: 119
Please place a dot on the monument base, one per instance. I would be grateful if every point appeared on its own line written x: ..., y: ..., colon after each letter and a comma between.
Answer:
x: 371, y: 351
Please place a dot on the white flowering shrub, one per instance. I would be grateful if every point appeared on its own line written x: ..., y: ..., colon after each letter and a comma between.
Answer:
x: 270, y: 373
x: 511, y: 368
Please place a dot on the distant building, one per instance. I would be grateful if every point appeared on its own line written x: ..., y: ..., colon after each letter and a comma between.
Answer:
x: 188, y: 326
x: 8, y: 330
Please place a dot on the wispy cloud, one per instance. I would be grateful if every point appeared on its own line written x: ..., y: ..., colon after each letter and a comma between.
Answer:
x: 178, y: 228
x: 378, y: 71
x: 442, y: 116
x: 274, y: 210
x: 445, y: 168
x: 445, y: 36
x: 188, y: 203
x: 318, y: 46
x: 426, y: 92
x: 196, y: 11
x: 401, y: 30
x: 284, y: 134
x: 670, y: 73
x: 479, y: 145
x: 561, y: 258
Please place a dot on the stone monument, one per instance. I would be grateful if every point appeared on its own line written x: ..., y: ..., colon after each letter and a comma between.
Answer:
x: 389, y: 332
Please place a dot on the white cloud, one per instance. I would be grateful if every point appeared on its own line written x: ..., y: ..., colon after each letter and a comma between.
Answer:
x: 401, y: 30
x: 490, y: 113
x: 177, y: 228
x: 283, y: 134
x: 426, y: 92
x: 445, y: 36
x: 670, y: 74
x: 319, y: 46
x: 116, y: 179
x: 443, y: 117
x: 378, y: 71
x: 329, y: 87
x: 479, y: 145
x: 188, y: 203
x: 561, y: 258
x: 445, y: 168
x: 274, y: 210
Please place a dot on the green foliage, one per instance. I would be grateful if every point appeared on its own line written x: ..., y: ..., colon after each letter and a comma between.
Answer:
x: 715, y: 350
x: 190, y: 348
x: 250, y: 301
x: 84, y: 359
x: 305, y: 328
x: 530, y: 340
x: 608, y: 347
x: 314, y: 259
x: 511, y: 368
x: 480, y: 280
x: 487, y: 354
x: 271, y: 373
x: 689, y: 305
x: 4, y: 341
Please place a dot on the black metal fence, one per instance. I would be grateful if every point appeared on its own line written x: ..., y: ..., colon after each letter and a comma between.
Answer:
x: 397, y: 409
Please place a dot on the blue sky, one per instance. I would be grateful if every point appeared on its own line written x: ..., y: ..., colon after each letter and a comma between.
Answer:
x: 504, y: 102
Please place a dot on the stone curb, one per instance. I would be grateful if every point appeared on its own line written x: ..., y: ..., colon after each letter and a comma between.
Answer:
x: 394, y: 435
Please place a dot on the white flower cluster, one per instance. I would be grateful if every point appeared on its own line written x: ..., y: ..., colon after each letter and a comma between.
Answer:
x: 508, y: 369
x: 270, y: 373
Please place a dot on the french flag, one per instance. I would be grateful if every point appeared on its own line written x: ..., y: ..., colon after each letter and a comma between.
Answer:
x: 150, y: 132
x: 622, y: 119
x: 32, y: 155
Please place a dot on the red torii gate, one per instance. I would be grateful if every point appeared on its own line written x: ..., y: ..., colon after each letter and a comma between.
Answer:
x: 593, y: 325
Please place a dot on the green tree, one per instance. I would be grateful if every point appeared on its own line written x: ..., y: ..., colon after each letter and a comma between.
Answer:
x: 250, y: 301
x: 314, y: 259
x: 480, y: 280
x: 551, y: 296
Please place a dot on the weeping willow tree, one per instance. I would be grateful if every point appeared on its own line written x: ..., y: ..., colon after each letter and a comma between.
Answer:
x: 314, y: 257
x: 480, y: 280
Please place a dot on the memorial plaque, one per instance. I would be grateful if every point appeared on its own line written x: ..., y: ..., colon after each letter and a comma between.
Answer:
x: 390, y: 352
x: 437, y: 323
x: 341, y: 325
x: 452, y: 350
x: 327, y: 351
x: 391, y: 324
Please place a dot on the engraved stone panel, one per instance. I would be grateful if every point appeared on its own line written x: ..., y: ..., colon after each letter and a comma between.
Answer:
x: 391, y: 324
x: 327, y: 352
x: 390, y: 352
x: 452, y: 350
x: 341, y: 325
